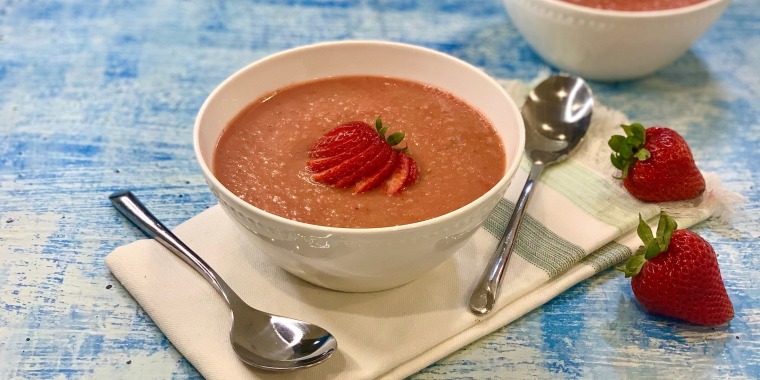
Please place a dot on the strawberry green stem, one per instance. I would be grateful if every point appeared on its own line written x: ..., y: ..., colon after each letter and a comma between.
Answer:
x: 628, y: 149
x: 392, y: 140
x: 653, y: 244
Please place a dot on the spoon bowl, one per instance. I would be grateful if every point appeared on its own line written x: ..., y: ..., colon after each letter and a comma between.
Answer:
x: 557, y: 114
x: 260, y: 339
x: 277, y: 343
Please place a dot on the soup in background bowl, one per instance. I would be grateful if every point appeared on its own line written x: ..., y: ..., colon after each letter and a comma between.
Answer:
x: 359, y: 259
x: 635, y: 6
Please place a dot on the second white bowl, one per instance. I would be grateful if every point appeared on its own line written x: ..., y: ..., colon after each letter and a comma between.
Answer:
x: 610, y: 45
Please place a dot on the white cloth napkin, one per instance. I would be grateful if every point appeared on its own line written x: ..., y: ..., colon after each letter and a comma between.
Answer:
x: 578, y: 223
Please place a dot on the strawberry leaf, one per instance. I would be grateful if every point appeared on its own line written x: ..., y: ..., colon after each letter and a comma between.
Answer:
x: 653, y: 244
x: 626, y: 155
x: 665, y: 227
x: 639, y: 132
x: 395, y: 138
x: 628, y: 149
x: 616, y: 142
x: 644, y: 231
x: 617, y: 161
x: 642, y: 154
x: 632, y: 266
x: 381, y: 129
x: 633, y: 141
x: 652, y: 249
x: 392, y: 140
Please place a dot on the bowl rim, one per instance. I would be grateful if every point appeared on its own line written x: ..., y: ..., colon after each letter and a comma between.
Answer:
x: 509, y: 173
x: 634, y: 14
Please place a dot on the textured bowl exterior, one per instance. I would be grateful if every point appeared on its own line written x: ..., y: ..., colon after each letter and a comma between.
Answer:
x: 346, y: 259
x: 610, y: 45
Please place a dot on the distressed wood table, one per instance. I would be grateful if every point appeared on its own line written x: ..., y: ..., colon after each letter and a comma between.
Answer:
x: 99, y: 96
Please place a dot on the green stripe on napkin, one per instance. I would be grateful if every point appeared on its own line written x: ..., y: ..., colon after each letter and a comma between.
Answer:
x: 596, y: 196
x: 607, y: 256
x: 593, y: 195
x: 535, y: 243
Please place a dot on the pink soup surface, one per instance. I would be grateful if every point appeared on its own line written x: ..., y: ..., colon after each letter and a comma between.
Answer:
x: 261, y: 154
x: 634, y: 5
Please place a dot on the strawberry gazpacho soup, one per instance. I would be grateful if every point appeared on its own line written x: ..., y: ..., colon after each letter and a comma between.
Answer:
x: 634, y: 5
x: 359, y: 152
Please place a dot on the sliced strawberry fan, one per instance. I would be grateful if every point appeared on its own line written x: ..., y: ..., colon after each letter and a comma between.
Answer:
x: 355, y: 154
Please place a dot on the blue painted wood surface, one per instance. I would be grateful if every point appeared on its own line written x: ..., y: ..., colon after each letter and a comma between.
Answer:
x: 98, y: 96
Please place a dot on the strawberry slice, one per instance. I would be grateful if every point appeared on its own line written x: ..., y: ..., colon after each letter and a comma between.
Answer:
x: 404, y: 174
x: 369, y: 168
x: 327, y: 162
x: 414, y: 172
x: 372, y: 181
x: 341, y: 138
x: 356, y: 154
x: 348, y: 167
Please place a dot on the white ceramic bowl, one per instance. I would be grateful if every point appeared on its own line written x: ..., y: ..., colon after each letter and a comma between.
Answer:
x: 610, y: 45
x: 347, y: 259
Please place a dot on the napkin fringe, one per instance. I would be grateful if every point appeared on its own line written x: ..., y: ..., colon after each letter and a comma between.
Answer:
x: 718, y: 203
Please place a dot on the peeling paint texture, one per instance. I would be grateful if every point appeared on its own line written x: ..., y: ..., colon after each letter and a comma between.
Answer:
x: 97, y: 96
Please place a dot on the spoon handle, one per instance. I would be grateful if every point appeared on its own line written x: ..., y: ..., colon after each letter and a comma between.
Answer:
x: 483, y: 297
x: 128, y: 204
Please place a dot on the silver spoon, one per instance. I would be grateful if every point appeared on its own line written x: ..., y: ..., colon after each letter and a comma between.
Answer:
x: 259, y: 339
x: 557, y: 114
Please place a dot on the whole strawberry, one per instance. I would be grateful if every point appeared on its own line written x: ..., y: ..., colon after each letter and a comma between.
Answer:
x: 656, y: 164
x: 676, y: 274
